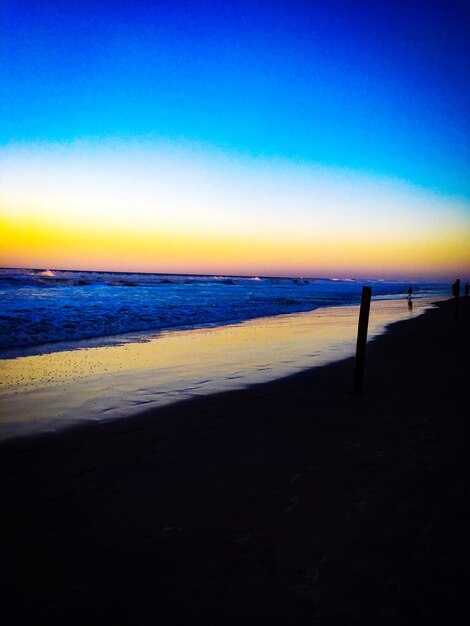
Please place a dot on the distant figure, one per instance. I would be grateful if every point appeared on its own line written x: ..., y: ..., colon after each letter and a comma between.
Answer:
x: 467, y: 289
x: 410, y: 291
x: 456, y: 294
x: 456, y: 288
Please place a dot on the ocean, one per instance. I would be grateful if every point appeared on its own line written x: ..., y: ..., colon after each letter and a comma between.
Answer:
x: 55, y: 308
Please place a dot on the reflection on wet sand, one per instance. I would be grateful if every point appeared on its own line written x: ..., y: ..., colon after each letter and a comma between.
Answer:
x: 50, y: 391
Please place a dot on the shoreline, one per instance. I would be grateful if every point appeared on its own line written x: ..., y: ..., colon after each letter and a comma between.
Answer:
x: 143, y: 336
x: 291, y: 501
x: 116, y: 382
x: 109, y: 312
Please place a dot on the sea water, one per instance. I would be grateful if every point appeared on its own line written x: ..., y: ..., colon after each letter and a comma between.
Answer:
x: 51, y: 309
x: 92, y: 346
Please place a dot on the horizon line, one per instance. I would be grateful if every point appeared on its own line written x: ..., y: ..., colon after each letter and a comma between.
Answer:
x: 225, y: 275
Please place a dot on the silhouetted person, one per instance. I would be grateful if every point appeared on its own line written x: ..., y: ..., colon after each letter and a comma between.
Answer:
x: 467, y: 289
x: 410, y: 291
x: 456, y: 288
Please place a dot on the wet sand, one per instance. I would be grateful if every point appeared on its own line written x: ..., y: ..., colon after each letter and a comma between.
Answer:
x: 290, y: 502
x: 50, y: 391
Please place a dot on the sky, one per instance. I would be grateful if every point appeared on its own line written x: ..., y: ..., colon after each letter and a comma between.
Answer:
x: 276, y: 138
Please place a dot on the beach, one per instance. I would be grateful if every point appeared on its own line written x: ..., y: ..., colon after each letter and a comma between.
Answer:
x: 51, y: 387
x: 292, y: 501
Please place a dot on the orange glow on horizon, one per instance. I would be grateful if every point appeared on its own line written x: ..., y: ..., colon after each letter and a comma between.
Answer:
x: 34, y: 243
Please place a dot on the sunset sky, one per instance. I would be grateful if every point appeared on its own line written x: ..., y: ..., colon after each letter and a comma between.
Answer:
x: 275, y: 138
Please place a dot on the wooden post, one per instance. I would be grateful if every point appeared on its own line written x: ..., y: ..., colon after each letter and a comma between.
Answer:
x: 361, y: 339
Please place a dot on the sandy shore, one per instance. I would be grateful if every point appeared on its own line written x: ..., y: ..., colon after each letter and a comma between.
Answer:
x: 291, y: 502
x: 50, y: 391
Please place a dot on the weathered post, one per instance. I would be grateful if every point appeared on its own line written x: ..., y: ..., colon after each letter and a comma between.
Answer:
x: 361, y: 339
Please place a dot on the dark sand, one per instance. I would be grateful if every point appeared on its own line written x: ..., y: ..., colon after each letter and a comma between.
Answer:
x: 293, y: 502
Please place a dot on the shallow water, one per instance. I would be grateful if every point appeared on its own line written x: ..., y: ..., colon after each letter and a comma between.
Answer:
x: 47, y: 392
x: 55, y: 306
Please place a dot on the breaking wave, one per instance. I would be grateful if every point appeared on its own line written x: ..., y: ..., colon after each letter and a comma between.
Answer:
x: 41, y: 306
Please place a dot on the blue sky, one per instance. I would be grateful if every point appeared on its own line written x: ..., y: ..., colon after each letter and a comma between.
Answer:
x: 297, y: 138
x: 375, y: 87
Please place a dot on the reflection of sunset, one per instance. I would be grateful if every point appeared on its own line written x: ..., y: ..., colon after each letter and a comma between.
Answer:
x: 113, y: 381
